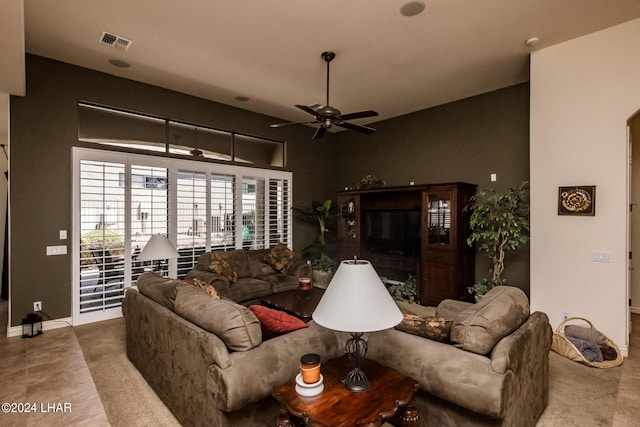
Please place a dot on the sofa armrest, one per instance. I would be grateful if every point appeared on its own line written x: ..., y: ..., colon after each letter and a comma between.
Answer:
x: 253, y: 374
x: 300, y: 269
x: 523, y: 356
x: 216, y: 280
x: 531, y: 340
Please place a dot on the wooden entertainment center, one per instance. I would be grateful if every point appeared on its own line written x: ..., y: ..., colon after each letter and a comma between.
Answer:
x: 420, y: 230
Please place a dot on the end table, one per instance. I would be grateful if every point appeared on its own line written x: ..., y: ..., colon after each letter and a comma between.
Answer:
x: 390, y: 393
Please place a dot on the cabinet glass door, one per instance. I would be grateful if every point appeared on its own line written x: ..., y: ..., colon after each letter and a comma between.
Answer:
x: 348, y: 213
x: 439, y: 219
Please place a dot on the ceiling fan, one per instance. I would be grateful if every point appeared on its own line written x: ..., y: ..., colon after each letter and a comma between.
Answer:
x: 328, y: 116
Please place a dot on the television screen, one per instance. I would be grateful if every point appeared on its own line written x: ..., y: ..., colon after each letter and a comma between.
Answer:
x: 392, y: 231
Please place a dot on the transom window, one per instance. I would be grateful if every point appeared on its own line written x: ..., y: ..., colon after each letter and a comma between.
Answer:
x: 119, y: 128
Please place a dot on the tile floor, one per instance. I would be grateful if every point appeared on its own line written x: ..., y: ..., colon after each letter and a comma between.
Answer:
x: 51, y: 372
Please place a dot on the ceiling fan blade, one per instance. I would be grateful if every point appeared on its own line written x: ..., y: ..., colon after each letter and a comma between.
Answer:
x: 357, y: 128
x: 308, y: 109
x: 319, y: 132
x: 279, y: 125
x: 358, y: 115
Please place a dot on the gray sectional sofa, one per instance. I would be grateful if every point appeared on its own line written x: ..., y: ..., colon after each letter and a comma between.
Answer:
x: 178, y: 338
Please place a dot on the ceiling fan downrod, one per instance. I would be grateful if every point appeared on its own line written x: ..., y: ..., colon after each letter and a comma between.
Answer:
x: 328, y: 57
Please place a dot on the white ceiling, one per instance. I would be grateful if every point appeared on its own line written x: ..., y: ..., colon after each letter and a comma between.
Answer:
x: 270, y: 51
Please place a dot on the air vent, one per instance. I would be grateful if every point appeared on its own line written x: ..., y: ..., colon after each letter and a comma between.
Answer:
x: 115, y: 40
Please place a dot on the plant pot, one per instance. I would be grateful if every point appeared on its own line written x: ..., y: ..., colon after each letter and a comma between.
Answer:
x: 321, y: 278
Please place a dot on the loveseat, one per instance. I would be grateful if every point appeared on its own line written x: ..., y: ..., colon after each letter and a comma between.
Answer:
x: 244, y: 276
x: 206, y: 378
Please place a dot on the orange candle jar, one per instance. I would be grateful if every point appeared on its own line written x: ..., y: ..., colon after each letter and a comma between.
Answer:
x: 310, y: 368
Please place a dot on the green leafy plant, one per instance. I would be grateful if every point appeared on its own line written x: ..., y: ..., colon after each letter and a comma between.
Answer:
x: 499, y: 223
x: 404, y: 291
x: 325, y: 263
x: 318, y: 214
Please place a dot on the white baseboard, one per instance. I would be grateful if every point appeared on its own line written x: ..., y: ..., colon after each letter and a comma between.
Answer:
x: 48, y: 325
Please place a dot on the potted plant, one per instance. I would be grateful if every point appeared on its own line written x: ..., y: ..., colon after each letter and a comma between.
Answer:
x: 499, y: 223
x: 323, y: 269
x: 404, y: 291
x: 323, y: 265
x: 318, y: 214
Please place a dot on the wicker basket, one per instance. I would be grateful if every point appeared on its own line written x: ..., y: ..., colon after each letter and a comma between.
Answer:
x: 563, y: 347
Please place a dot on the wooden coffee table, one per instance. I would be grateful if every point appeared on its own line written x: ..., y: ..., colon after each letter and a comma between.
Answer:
x: 391, y: 393
x: 298, y: 303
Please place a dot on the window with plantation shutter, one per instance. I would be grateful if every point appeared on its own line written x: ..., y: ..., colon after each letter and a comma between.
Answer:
x: 222, y: 230
x: 278, y: 200
x: 191, y: 214
x: 101, y: 243
x: 253, y: 213
x: 122, y: 199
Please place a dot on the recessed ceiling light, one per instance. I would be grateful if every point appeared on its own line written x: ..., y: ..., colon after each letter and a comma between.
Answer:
x: 242, y: 98
x: 532, y: 41
x: 119, y: 63
x: 412, y: 8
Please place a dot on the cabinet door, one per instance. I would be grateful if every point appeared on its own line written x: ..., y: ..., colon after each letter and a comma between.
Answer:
x: 438, y: 227
x: 349, y: 226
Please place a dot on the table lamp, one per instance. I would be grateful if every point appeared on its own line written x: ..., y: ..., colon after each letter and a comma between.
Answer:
x: 158, y: 248
x: 356, y: 301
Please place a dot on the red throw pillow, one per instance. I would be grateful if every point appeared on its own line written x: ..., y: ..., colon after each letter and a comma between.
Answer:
x: 275, y: 322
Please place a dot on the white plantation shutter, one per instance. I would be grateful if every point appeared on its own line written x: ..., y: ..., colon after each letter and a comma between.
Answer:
x: 253, y: 213
x: 279, y: 211
x: 191, y: 218
x: 150, y: 211
x: 102, y: 199
x: 121, y: 200
x: 222, y: 196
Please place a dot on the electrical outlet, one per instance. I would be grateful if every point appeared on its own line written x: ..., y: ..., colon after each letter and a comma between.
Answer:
x: 37, y: 306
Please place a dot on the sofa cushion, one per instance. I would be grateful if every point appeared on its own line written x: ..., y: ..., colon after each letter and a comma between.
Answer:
x: 247, y: 288
x: 233, y: 323
x: 223, y: 265
x: 500, y: 311
x: 434, y: 328
x: 274, y: 322
x: 280, y: 257
x: 162, y: 290
x: 258, y: 267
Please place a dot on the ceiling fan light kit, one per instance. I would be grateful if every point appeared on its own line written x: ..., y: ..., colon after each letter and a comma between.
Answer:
x: 327, y: 116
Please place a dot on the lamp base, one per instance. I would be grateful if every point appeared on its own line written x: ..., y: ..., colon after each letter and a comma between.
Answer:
x: 356, y: 381
x: 356, y: 350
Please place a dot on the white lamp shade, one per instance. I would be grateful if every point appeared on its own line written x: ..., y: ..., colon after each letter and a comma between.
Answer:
x: 158, y: 247
x: 356, y: 300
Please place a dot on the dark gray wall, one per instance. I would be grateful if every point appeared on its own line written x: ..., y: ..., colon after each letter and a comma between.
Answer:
x: 462, y: 141
x: 44, y: 127
x: 466, y: 141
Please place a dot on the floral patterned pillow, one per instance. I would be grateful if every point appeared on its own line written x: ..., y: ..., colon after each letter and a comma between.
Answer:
x: 221, y: 264
x: 280, y: 257
x: 435, y: 328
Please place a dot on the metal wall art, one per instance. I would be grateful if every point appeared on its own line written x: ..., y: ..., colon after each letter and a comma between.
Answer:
x: 577, y: 200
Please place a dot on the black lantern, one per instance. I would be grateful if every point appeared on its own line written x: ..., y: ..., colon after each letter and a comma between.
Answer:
x: 31, y: 325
